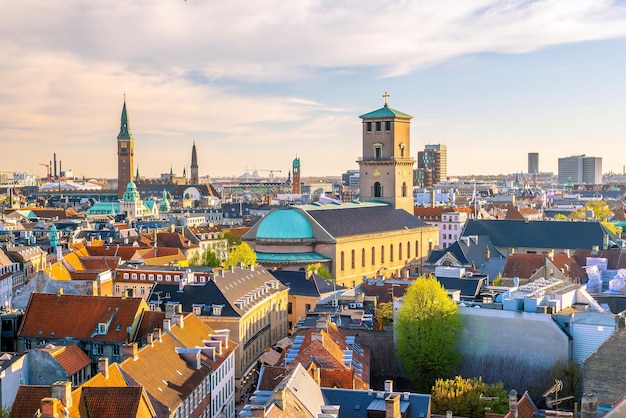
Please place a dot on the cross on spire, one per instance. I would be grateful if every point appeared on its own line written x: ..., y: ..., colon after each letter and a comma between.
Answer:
x: 386, y: 97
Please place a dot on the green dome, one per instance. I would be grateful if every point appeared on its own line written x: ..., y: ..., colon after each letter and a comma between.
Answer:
x: 285, y: 224
x: 296, y: 162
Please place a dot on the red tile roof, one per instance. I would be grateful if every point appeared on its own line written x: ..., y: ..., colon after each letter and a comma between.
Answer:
x: 72, y: 359
x: 113, y: 401
x: 28, y: 400
x: 50, y: 316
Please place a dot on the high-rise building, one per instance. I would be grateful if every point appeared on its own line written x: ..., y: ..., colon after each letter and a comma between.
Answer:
x: 533, y: 162
x: 386, y: 166
x: 194, y: 165
x: 580, y: 169
x: 125, y: 154
x: 432, y: 165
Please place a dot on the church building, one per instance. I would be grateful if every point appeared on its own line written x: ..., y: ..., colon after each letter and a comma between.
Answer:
x: 376, y: 236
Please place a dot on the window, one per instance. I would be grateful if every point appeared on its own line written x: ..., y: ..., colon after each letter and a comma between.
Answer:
x: 404, y: 189
x: 353, y: 260
x: 307, y: 307
x: 142, y: 276
x: 362, y: 257
x: 391, y: 252
x: 134, y: 276
x: 382, y: 253
x: 400, y: 251
x: 373, y: 256
x: 378, y: 126
x: 116, y: 350
x: 408, y: 250
x: 168, y: 278
x: 117, y: 289
x: 378, y: 153
x: 368, y: 126
x: 388, y: 126
x: 125, y: 276
x: 341, y: 261
x: 142, y: 290
x: 159, y: 277
x: 289, y: 308
x: 177, y: 278
x: 97, y: 349
x: 151, y: 277
x: 417, y: 245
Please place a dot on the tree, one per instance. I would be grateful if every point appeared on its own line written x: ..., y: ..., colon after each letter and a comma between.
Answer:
x: 571, y: 376
x: 468, y: 397
x: 428, y: 329
x: 210, y: 259
x: 384, y: 313
x: 233, y: 240
x: 243, y: 254
x: 560, y: 217
x: 320, y: 270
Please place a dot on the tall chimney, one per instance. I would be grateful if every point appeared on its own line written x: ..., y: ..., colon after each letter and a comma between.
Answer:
x: 103, y: 366
x: 389, y: 386
x: 589, y: 405
x: 513, y: 402
x: 392, y: 406
x: 50, y: 408
x: 60, y: 171
x: 55, y: 166
x: 62, y: 390
x: 129, y: 351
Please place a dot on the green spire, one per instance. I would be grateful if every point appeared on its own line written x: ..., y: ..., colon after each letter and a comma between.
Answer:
x: 124, y: 129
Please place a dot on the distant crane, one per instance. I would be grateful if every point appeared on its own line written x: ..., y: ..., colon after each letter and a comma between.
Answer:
x: 47, y: 171
x: 271, y: 173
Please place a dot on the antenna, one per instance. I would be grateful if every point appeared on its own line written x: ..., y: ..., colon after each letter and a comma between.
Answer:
x: 556, y: 388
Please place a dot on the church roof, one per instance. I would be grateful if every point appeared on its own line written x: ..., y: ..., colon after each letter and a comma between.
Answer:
x: 385, y: 111
x: 285, y: 224
x: 285, y: 258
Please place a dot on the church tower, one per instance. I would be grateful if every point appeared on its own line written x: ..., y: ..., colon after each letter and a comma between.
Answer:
x: 296, y: 185
x: 386, y: 167
x: 194, y: 165
x: 125, y: 154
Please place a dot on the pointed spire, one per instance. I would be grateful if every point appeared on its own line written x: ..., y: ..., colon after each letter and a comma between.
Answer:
x: 124, y: 128
x: 171, y: 171
x: 194, y: 156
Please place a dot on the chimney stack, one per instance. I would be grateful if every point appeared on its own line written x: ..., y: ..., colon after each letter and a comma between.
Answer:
x: 589, y: 405
x: 129, y: 351
x: 62, y: 390
x: 389, y: 386
x: 317, y: 375
x: 103, y: 366
x: 50, y: 408
x: 392, y: 406
x: 258, y: 411
x: 513, y: 402
x: 167, y: 324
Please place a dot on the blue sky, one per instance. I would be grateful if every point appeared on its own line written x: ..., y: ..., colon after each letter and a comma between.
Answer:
x: 256, y: 84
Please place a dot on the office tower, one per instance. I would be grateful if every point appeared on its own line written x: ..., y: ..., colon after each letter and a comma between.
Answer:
x: 533, y: 162
x: 432, y: 165
x: 580, y: 169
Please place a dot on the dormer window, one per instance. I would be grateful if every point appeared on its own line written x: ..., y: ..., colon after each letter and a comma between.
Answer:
x: 197, y: 310
x: 102, y: 328
x: 217, y: 310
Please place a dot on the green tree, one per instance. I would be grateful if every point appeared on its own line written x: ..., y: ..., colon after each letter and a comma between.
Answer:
x: 560, y: 217
x: 320, y: 270
x: 428, y: 329
x: 233, y: 240
x: 243, y: 254
x: 5, y: 411
x: 384, y: 314
x: 468, y: 397
x: 210, y: 259
x: 600, y: 208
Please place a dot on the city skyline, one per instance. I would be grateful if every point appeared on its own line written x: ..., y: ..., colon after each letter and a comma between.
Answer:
x: 256, y: 85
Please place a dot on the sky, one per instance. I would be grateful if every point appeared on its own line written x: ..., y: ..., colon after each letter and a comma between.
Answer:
x: 257, y: 83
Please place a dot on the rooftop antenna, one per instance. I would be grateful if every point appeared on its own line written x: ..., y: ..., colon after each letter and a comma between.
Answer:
x: 556, y: 388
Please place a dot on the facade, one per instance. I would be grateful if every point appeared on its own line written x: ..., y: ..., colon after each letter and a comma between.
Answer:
x: 249, y: 302
x: 432, y: 165
x: 450, y: 222
x: 13, y: 373
x: 533, y: 163
x: 351, y: 240
x: 580, y: 169
x: 125, y: 153
x: 386, y: 167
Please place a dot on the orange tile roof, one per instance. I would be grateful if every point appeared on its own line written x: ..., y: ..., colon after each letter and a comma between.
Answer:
x: 72, y: 358
x: 55, y: 316
x: 113, y: 402
x: 525, y: 408
x: 115, y: 378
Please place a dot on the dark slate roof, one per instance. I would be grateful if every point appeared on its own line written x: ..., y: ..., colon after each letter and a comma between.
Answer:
x: 540, y: 234
x: 467, y: 253
x: 358, y: 220
x: 355, y: 403
x: 470, y: 288
x: 300, y: 285
x: 219, y: 290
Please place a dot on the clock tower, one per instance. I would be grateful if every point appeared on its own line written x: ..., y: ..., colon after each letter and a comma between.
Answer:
x: 386, y: 167
x: 125, y: 154
x: 296, y: 176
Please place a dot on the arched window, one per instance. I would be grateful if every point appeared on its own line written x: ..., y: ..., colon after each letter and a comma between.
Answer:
x: 447, y: 263
x: 378, y: 190
x: 382, y: 253
x: 391, y: 252
x: 408, y: 249
x: 400, y: 251
x: 404, y: 189
x: 341, y: 261
x: 353, y: 264
x: 373, y: 256
x: 417, y: 249
x: 362, y: 257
